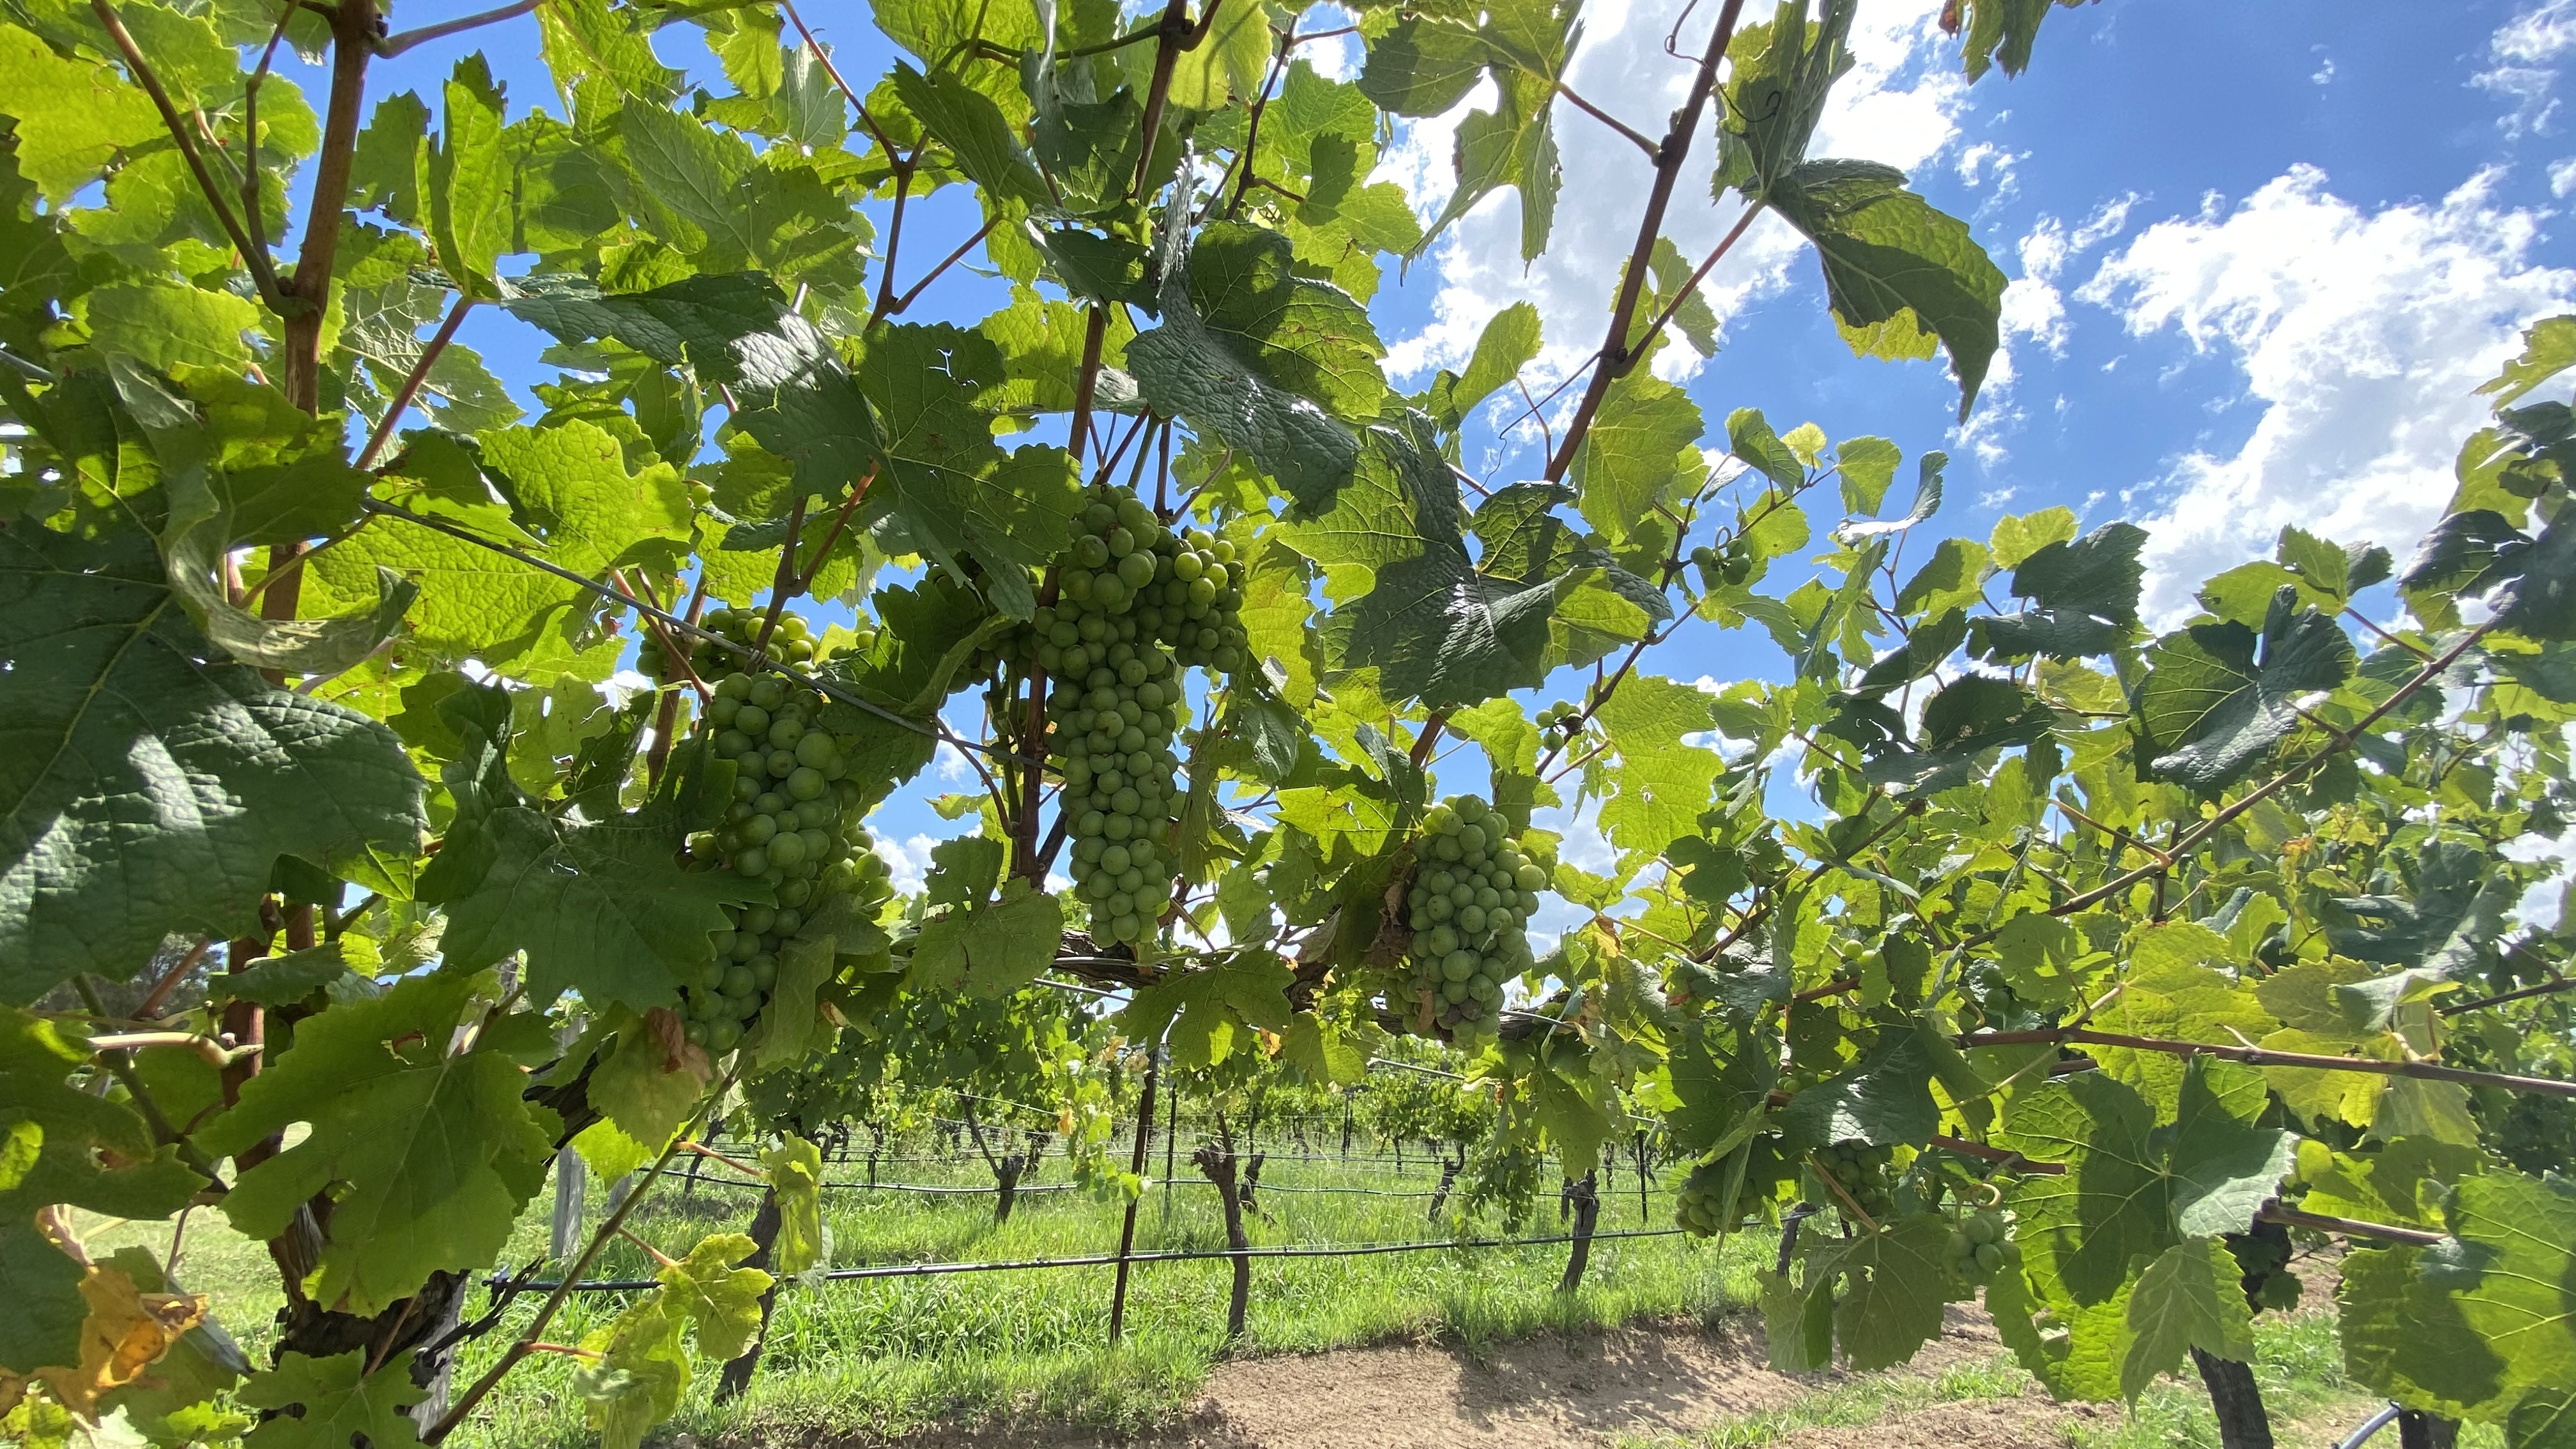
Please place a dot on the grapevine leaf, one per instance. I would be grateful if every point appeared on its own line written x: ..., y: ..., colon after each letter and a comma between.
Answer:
x: 2543, y: 1419
x: 721, y: 1301
x: 1750, y: 436
x: 1268, y: 361
x: 2511, y: 1270
x: 2083, y: 598
x: 148, y: 787
x: 2210, y: 711
x: 1325, y: 1053
x: 603, y: 909
x: 1667, y: 772
x: 2548, y: 349
x: 194, y: 543
x: 2189, y: 1297
x: 43, y: 1328
x: 1630, y: 458
x: 1972, y: 715
x: 1867, y: 466
x: 1890, y: 255
x: 340, y: 1402
x: 941, y: 483
x: 971, y: 125
x: 1508, y: 344
x: 73, y: 116
x: 796, y: 1178
x: 1203, y: 1008
x: 1775, y: 93
x: 788, y: 1022
x: 635, y: 1375
x: 56, y: 1141
x: 1895, y: 1284
x: 651, y: 1081
x: 1884, y: 1099
x: 2002, y: 32
x: 429, y: 1156
x: 466, y: 180
x: 1422, y: 67
x: 990, y: 950
x: 2081, y: 1228
x: 2405, y: 1337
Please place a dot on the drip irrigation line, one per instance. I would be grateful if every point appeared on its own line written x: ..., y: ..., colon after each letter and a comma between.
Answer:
x: 1104, y: 1260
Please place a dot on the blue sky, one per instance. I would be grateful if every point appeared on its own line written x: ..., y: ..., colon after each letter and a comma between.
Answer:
x: 2261, y: 255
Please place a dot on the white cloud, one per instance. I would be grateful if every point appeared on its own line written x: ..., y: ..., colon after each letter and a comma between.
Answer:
x: 907, y: 860
x: 2361, y: 335
x: 2526, y: 50
x: 953, y: 767
x: 2562, y: 176
x: 1899, y: 105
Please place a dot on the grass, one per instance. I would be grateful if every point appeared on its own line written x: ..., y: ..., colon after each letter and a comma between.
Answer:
x: 879, y: 1357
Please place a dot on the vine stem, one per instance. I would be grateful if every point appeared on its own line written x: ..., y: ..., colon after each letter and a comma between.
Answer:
x: 2254, y: 1056
x: 393, y: 45
x: 530, y: 1341
x: 253, y: 255
x: 411, y: 383
x: 1174, y: 35
x: 1616, y: 356
x: 783, y: 587
x: 1086, y: 385
x: 2545, y: 988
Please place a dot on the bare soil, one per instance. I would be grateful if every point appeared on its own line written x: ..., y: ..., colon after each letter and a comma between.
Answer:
x: 1571, y: 1391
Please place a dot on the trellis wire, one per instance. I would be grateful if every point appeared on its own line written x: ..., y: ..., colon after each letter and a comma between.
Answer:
x: 1104, y: 1260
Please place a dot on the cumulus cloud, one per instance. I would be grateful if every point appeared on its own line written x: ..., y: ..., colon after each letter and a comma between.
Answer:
x: 906, y: 860
x: 1899, y: 105
x: 2525, y: 53
x: 2360, y: 336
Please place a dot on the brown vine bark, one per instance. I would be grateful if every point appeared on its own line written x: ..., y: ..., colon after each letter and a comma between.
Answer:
x: 1586, y: 1196
x: 1216, y: 1162
x: 2238, y: 1400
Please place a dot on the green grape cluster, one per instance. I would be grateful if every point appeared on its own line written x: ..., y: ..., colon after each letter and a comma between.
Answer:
x: 794, y: 826
x: 1861, y: 1171
x: 1473, y: 891
x: 1979, y: 1249
x: 1560, y: 722
x: 1180, y: 590
x: 1112, y: 716
x: 791, y: 643
x: 1700, y: 1207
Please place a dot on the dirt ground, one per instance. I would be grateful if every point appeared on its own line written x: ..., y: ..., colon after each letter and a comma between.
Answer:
x: 1578, y: 1391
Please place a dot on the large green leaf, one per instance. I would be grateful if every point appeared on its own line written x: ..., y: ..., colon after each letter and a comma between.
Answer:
x: 149, y: 786
x: 466, y: 179
x: 73, y: 116
x: 1631, y: 456
x: 1265, y: 360
x: 1896, y: 268
x: 2189, y: 1297
x: 1207, y: 1009
x: 2211, y: 711
x: 2083, y: 598
x: 721, y: 1301
x: 428, y: 1154
x: 337, y: 1401
x: 600, y: 908
x: 990, y: 949
x: 59, y: 1144
x: 1779, y: 75
x: 2133, y: 1189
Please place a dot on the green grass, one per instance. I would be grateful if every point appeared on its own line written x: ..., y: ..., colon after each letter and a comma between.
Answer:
x: 884, y: 1356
